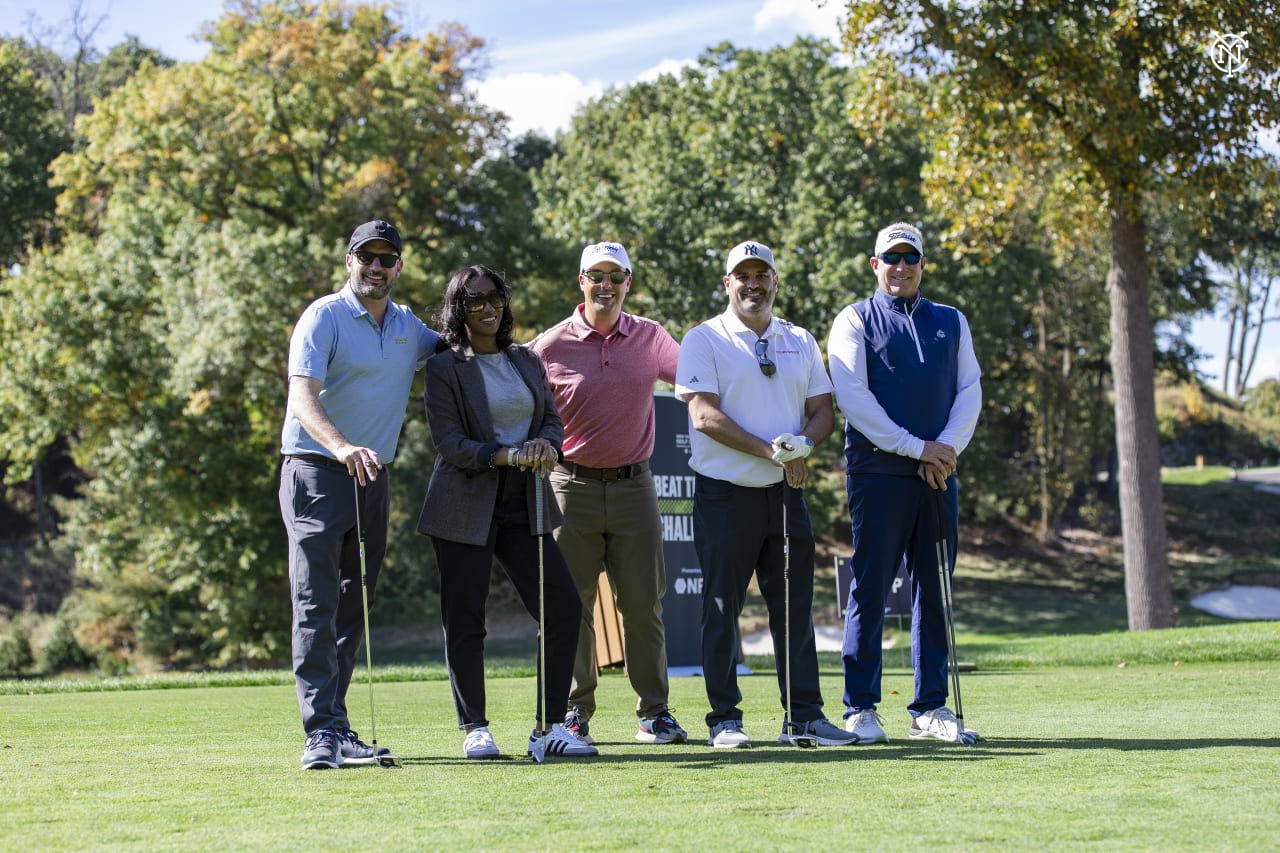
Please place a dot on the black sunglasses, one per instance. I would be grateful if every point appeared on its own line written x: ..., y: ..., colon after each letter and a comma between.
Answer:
x: 387, y: 259
x: 475, y: 302
x: 892, y: 258
x: 767, y: 367
x: 597, y: 276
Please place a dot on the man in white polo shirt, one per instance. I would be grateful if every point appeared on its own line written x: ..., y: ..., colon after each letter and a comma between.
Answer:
x: 759, y: 399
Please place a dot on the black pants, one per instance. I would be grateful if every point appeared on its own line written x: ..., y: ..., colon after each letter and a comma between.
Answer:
x: 464, y: 587
x: 737, y: 531
x: 318, y: 505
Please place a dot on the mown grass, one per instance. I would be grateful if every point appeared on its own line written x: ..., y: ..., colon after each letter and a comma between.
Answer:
x: 1092, y: 737
x: 1157, y: 754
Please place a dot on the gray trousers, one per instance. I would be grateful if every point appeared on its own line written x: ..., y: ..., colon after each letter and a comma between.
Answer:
x: 318, y: 505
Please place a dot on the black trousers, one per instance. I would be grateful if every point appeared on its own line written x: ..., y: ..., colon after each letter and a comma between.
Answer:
x: 464, y: 588
x: 737, y: 531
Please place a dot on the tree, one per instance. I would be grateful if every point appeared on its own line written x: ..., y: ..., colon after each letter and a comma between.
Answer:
x: 30, y: 139
x: 209, y: 204
x: 748, y: 144
x: 1129, y: 90
x: 1245, y: 240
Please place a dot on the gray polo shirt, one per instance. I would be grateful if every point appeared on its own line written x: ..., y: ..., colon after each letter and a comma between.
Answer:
x: 366, y: 370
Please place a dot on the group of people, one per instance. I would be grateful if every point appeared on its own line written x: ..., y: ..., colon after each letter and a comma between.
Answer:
x: 574, y: 409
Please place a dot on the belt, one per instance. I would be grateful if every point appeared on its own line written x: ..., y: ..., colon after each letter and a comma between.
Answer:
x: 317, y: 459
x: 582, y: 472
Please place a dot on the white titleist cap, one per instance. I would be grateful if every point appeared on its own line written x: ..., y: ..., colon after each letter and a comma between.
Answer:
x: 899, y: 232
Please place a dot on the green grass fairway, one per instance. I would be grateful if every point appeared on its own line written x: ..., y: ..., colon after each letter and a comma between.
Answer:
x: 1155, y: 754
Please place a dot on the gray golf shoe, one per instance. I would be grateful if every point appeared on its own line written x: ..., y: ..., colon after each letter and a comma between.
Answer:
x: 820, y: 730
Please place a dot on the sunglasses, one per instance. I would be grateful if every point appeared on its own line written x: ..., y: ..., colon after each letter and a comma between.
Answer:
x: 597, y: 276
x: 475, y: 302
x: 892, y: 258
x: 767, y: 367
x: 387, y: 259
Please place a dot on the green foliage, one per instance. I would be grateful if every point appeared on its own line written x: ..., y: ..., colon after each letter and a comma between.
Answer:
x: 210, y: 204
x: 30, y: 138
x: 678, y: 171
x: 15, y: 650
x: 1196, y: 421
x: 1264, y: 399
x: 61, y: 650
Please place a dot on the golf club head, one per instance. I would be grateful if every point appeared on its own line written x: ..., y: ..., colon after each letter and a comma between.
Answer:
x: 967, y: 737
x: 386, y: 759
x: 539, y: 749
x: 804, y: 741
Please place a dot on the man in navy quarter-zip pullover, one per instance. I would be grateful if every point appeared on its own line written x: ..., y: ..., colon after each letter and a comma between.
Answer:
x: 908, y: 383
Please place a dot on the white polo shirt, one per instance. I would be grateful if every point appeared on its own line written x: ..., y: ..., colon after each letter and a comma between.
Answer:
x: 719, y: 357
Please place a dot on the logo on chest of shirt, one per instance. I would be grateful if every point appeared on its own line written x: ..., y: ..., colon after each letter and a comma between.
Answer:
x: 941, y: 335
x: 400, y: 341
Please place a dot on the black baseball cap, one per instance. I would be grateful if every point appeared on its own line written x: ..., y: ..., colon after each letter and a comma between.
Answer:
x: 375, y: 230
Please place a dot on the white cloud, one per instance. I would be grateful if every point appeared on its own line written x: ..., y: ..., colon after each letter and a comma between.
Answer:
x: 542, y: 102
x: 666, y: 66
x: 637, y: 36
x: 545, y: 92
x: 800, y: 17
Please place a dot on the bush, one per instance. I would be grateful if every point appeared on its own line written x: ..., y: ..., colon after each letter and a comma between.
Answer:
x: 15, y: 651
x: 62, y: 651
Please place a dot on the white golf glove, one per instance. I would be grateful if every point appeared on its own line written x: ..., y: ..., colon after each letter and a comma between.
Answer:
x: 787, y: 447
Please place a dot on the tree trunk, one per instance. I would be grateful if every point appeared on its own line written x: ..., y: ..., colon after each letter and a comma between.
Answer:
x: 1146, y: 560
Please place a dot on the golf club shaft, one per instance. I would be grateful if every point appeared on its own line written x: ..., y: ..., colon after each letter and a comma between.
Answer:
x: 364, y: 599
x: 786, y: 603
x: 948, y: 617
x: 539, y: 502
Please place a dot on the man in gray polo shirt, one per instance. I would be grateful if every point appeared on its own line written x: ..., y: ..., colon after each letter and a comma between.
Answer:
x: 351, y: 361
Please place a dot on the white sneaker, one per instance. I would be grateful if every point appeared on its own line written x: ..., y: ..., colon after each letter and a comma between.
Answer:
x: 479, y: 744
x: 866, y: 727
x: 729, y: 735
x: 561, y: 741
x: 941, y: 724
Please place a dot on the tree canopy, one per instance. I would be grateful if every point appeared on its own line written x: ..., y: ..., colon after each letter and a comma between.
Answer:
x: 1126, y: 93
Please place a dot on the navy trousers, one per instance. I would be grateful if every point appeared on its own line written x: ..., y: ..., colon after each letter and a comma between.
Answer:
x: 892, y: 516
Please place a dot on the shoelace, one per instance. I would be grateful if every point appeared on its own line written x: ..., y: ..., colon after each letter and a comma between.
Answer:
x: 316, y: 739
x: 875, y: 717
x: 665, y: 721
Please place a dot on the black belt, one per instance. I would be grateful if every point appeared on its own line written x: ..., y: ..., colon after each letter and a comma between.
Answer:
x: 608, y: 475
x: 317, y: 459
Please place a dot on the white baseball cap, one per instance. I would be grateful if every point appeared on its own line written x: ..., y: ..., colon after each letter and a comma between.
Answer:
x: 899, y: 232
x: 604, y: 252
x: 748, y: 251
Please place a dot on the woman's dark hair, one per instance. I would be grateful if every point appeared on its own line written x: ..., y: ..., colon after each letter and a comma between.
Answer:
x: 452, y: 319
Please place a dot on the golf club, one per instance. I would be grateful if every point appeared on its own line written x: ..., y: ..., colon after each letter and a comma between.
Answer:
x: 944, y: 582
x: 802, y: 741
x: 383, y: 755
x: 539, y: 747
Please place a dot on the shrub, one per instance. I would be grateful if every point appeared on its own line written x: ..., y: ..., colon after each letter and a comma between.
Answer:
x: 15, y: 651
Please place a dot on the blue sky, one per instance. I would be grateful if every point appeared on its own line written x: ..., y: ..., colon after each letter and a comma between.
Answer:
x: 545, y: 57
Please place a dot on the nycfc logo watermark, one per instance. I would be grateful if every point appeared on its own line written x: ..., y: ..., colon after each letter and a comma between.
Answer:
x: 1227, y: 53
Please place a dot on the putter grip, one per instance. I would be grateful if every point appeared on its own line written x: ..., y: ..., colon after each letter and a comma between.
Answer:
x: 539, y: 504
